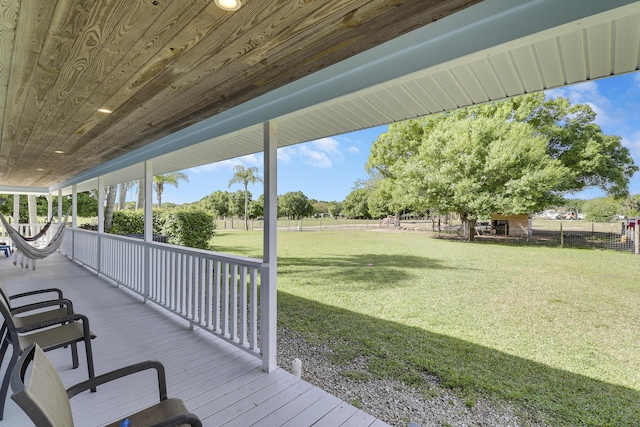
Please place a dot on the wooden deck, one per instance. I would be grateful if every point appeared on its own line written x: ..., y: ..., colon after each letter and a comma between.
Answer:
x: 220, y: 383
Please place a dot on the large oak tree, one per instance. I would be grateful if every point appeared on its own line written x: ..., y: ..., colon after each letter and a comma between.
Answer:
x: 514, y: 156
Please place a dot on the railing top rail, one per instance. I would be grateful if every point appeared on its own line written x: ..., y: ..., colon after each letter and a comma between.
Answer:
x: 246, y: 261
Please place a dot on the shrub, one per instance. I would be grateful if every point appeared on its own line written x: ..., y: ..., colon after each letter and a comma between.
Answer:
x: 127, y: 222
x: 191, y: 228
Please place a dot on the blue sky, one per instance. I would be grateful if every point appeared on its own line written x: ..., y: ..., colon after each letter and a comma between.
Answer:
x: 327, y: 169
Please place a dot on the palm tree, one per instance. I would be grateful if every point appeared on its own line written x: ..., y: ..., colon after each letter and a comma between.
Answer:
x: 169, y: 178
x: 245, y: 176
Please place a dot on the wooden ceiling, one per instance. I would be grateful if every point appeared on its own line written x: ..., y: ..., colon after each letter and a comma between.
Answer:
x: 160, y: 66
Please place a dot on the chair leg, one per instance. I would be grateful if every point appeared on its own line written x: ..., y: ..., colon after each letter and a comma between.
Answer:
x: 90, y: 368
x: 74, y: 355
x: 7, y: 378
x: 3, y: 349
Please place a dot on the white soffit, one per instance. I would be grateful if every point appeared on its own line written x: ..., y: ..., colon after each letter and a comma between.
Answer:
x: 597, y: 46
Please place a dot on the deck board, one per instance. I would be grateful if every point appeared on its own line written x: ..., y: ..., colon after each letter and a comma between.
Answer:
x: 219, y: 382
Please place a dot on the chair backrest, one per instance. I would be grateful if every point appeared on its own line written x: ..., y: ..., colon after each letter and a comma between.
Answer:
x: 5, y: 310
x: 4, y: 295
x: 43, y: 396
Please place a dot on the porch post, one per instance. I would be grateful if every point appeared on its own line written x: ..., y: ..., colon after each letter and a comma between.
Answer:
x: 16, y: 210
x: 49, y: 211
x: 148, y: 224
x: 74, y: 218
x: 268, y: 294
x: 49, y: 205
x: 59, y: 206
x: 101, y: 196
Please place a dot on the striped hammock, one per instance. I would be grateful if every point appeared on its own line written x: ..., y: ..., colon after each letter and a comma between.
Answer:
x: 31, y: 252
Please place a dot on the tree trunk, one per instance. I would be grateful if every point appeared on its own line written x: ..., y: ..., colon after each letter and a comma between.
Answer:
x: 159, y: 190
x: 108, y: 212
x: 140, y: 204
x: 396, y: 221
x: 468, y: 229
x: 246, y: 208
x: 122, y: 195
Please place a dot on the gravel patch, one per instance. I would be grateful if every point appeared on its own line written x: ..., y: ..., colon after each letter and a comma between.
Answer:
x: 390, y: 400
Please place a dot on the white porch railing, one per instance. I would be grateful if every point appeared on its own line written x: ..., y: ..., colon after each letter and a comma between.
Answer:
x: 214, y: 291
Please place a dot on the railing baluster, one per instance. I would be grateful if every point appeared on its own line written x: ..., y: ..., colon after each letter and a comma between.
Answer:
x: 216, y: 292
x: 217, y: 271
x: 253, y: 311
x: 225, y: 299
x: 243, y: 305
x: 234, y: 302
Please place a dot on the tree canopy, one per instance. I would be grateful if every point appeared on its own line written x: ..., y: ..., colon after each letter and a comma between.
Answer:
x: 295, y: 205
x: 514, y: 156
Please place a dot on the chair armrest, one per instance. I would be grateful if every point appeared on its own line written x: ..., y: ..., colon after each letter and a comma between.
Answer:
x: 39, y: 291
x: 123, y: 372
x: 187, y: 418
x: 51, y: 322
x: 43, y: 304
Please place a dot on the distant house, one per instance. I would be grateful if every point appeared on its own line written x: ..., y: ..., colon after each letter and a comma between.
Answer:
x: 518, y: 225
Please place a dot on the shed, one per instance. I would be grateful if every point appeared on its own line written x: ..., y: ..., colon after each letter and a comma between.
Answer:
x: 518, y: 225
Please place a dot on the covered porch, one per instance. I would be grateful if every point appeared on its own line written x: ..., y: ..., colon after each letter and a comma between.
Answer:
x: 281, y: 85
x: 220, y: 382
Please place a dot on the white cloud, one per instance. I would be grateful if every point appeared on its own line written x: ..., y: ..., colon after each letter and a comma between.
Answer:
x: 327, y: 145
x: 321, y: 153
x: 353, y: 150
x: 633, y: 144
x: 315, y: 158
x: 588, y: 93
x: 286, y: 153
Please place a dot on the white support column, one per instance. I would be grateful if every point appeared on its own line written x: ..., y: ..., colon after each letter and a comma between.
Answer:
x: 268, y: 289
x: 49, y: 212
x: 74, y: 218
x: 49, y: 205
x: 148, y: 225
x: 59, y: 206
x: 148, y: 206
x: 101, y: 197
x: 74, y: 206
x: 16, y: 210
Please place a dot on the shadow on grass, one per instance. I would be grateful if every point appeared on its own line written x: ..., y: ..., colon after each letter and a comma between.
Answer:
x: 362, y: 270
x: 397, y: 351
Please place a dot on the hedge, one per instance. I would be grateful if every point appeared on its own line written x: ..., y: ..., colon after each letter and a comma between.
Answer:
x: 192, y: 228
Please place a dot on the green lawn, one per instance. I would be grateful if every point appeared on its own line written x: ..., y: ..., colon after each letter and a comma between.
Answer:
x: 552, y: 330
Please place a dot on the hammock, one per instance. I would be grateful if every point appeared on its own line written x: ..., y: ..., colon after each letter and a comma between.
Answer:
x: 41, y: 233
x: 31, y: 252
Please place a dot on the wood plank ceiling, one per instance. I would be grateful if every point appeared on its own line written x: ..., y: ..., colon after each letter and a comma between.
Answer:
x: 160, y: 66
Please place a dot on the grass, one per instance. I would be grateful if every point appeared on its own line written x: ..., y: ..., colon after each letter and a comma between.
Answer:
x: 552, y: 331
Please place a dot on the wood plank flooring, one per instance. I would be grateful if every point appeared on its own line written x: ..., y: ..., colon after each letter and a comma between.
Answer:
x: 220, y: 383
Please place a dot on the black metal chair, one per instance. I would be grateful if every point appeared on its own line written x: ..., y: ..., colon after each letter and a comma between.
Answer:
x: 44, y: 385
x: 63, y: 309
x: 60, y: 329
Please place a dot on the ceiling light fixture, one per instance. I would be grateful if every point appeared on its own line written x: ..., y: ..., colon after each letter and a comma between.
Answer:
x: 229, y: 5
x: 105, y: 110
